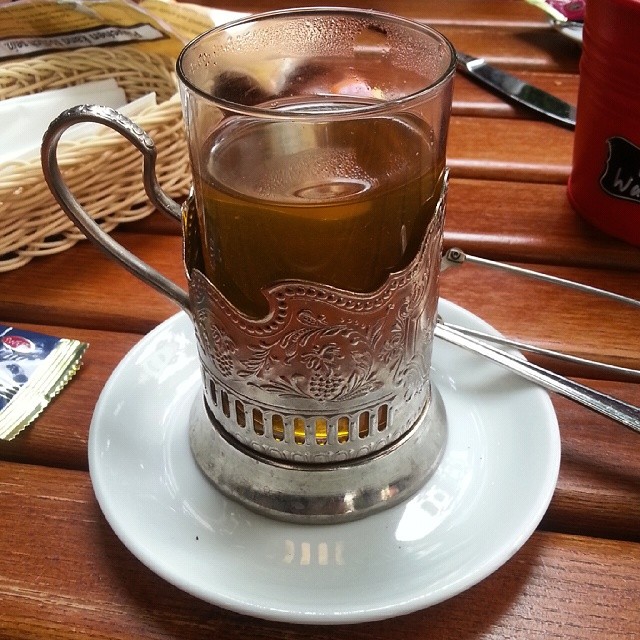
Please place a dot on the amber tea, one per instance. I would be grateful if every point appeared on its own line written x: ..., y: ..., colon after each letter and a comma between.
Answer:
x: 341, y: 202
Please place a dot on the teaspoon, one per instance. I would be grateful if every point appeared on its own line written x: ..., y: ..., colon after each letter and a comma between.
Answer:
x: 601, y: 403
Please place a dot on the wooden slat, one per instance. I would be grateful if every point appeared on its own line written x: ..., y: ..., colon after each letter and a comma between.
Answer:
x: 506, y: 32
x: 103, y: 297
x: 515, y: 150
x: 504, y: 13
x: 552, y: 316
x: 597, y: 492
x: 472, y: 99
x: 530, y: 49
x: 529, y: 222
x: 57, y: 585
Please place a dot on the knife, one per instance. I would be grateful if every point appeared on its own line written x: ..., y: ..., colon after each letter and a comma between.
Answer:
x: 518, y: 91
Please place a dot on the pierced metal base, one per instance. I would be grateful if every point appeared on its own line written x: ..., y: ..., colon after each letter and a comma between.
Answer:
x: 320, y: 493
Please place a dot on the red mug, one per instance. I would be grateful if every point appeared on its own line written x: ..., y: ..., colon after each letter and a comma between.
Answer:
x: 604, y: 186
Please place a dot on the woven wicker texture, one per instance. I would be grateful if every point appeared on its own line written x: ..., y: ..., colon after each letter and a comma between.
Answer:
x: 103, y: 171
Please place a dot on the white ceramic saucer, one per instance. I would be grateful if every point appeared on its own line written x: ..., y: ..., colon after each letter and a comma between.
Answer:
x: 488, y: 495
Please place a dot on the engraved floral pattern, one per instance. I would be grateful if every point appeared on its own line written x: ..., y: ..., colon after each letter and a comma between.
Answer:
x: 319, y: 353
x: 322, y: 351
x: 338, y: 358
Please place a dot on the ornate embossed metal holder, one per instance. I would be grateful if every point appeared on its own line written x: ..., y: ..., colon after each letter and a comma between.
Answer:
x: 323, y: 409
x: 320, y: 409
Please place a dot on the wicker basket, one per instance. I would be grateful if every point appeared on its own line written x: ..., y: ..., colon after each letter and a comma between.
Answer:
x: 104, y: 171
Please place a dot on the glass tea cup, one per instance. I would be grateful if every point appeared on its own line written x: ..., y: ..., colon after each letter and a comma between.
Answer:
x: 312, y: 244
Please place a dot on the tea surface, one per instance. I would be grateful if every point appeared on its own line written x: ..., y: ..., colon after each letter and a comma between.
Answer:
x: 337, y: 202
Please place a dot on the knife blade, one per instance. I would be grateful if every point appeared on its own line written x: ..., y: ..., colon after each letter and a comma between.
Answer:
x: 517, y: 90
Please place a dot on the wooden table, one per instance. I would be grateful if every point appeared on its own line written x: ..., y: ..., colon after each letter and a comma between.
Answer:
x: 64, y: 573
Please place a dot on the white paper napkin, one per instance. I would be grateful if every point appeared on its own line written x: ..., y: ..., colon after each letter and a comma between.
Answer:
x: 27, y: 117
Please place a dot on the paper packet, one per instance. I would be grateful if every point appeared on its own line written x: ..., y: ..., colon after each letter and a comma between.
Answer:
x: 34, y: 368
x: 562, y: 10
x: 36, y: 27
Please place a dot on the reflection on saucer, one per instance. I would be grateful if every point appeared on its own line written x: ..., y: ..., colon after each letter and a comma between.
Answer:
x: 321, y: 554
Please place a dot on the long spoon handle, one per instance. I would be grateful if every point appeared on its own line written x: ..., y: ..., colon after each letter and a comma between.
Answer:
x: 550, y: 353
x: 606, y: 405
x: 455, y: 256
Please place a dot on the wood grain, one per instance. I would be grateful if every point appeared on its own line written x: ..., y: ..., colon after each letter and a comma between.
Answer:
x: 472, y: 99
x: 58, y: 438
x: 529, y: 222
x: 101, y: 296
x: 550, y: 316
x: 597, y: 490
x: 508, y: 33
x: 504, y: 150
x: 63, y: 572
x: 88, y: 585
x: 464, y: 12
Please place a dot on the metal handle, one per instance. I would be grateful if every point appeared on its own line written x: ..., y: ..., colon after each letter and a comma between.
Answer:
x: 617, y: 410
x: 549, y: 353
x: 141, y: 140
x: 455, y: 256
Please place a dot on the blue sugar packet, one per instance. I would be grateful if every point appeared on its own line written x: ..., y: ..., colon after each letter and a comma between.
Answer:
x: 34, y: 367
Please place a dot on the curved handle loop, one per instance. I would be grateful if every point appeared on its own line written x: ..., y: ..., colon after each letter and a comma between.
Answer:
x: 141, y: 140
